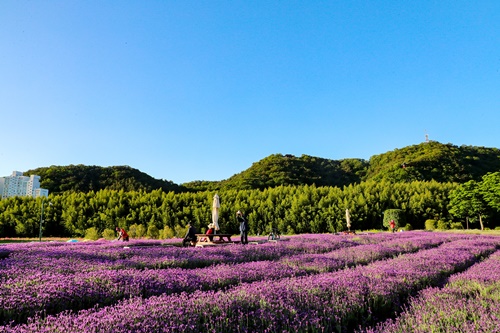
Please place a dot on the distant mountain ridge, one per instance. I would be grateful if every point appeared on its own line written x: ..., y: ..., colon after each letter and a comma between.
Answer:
x: 423, y: 162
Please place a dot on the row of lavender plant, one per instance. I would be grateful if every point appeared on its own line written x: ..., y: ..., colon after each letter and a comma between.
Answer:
x: 113, y: 255
x: 470, y: 302
x: 71, y: 258
x: 56, y: 291
x: 319, y: 303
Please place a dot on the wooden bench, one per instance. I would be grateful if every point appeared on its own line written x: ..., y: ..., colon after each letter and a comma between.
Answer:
x: 213, y: 239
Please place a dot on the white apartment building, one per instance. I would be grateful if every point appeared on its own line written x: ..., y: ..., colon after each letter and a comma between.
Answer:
x: 19, y: 185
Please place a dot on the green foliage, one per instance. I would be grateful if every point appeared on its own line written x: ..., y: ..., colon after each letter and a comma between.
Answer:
x: 290, y: 209
x: 140, y: 231
x: 166, y: 233
x: 92, y: 234
x: 490, y: 190
x: 430, y: 224
x: 82, y: 178
x: 467, y: 201
x: 136, y: 231
x: 180, y: 232
x: 434, y: 161
x: 443, y: 225
x: 288, y: 170
x: 428, y: 161
x: 408, y: 227
x: 132, y: 231
x: 456, y: 226
x: 153, y: 232
x: 108, y: 234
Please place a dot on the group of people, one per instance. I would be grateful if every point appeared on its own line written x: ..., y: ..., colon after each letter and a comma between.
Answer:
x: 191, y: 237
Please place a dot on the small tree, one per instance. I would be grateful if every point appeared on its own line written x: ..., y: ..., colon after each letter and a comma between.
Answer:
x: 166, y: 232
x: 140, y: 231
x: 456, y: 226
x: 430, y: 224
x: 408, y: 227
x: 180, y: 231
x: 153, y: 232
x: 92, y: 233
x: 108, y: 234
x: 132, y: 231
x: 442, y: 225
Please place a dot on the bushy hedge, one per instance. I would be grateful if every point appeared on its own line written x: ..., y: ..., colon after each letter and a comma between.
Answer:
x: 430, y: 225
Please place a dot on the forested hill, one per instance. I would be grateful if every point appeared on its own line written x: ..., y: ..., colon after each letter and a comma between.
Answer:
x: 434, y: 161
x: 276, y: 170
x: 426, y: 161
x: 82, y: 178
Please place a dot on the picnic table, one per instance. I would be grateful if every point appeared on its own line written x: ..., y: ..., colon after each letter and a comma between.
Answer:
x: 213, y: 239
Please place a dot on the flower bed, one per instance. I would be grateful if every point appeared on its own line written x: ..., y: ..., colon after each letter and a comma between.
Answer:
x: 470, y: 302
x: 56, y: 287
x: 340, y: 300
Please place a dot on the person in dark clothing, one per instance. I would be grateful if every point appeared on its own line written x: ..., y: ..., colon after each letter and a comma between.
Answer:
x: 190, y: 236
x: 243, y: 227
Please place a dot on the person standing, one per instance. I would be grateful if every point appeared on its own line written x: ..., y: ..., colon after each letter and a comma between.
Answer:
x: 392, y: 224
x: 122, y: 234
x: 243, y: 227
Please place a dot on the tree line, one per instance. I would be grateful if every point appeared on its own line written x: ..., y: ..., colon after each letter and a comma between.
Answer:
x: 290, y: 209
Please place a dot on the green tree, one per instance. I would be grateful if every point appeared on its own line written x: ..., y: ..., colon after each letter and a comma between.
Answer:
x: 467, y: 201
x: 489, y: 187
x: 153, y: 232
x: 108, y: 234
x: 92, y: 233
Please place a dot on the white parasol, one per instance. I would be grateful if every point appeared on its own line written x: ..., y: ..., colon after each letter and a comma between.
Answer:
x: 348, y: 219
x: 215, y: 212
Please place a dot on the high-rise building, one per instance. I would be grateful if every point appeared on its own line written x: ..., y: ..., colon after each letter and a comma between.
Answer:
x: 19, y: 185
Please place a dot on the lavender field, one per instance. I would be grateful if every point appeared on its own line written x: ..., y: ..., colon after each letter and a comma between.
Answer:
x: 402, y: 282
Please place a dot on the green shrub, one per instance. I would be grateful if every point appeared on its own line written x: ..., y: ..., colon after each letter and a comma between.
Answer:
x: 443, y: 225
x: 92, y: 234
x: 140, y: 231
x: 408, y: 227
x: 136, y: 231
x: 456, y: 226
x: 108, y: 234
x: 166, y: 232
x: 180, y: 232
x: 430, y: 224
x: 153, y: 232
x: 132, y: 231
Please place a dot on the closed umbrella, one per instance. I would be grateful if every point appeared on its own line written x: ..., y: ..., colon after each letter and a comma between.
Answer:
x: 215, y: 212
x: 348, y: 219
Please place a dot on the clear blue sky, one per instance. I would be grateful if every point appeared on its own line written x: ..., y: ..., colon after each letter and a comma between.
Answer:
x: 199, y: 90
